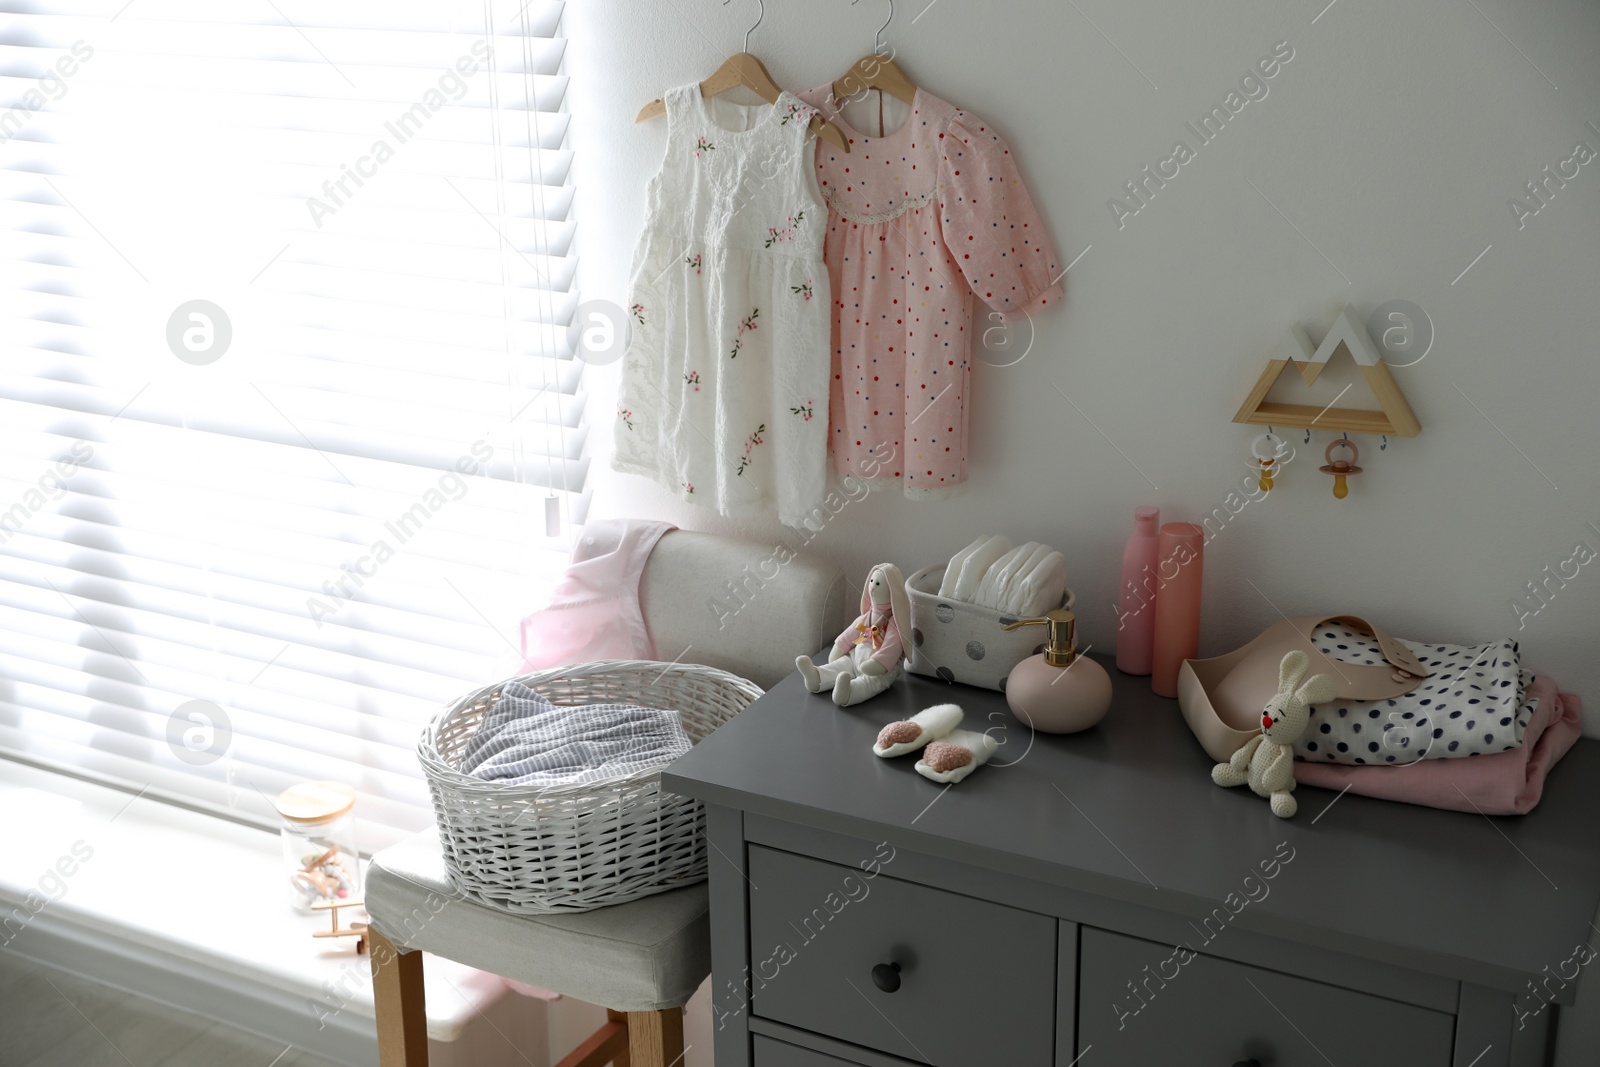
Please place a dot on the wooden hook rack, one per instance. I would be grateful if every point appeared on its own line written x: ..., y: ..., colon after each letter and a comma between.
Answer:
x: 1394, y: 416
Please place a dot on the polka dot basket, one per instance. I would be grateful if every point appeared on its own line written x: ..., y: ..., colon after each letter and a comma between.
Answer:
x: 960, y: 642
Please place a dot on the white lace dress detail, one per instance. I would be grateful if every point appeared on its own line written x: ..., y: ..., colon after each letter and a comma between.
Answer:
x: 837, y: 205
x: 724, y: 394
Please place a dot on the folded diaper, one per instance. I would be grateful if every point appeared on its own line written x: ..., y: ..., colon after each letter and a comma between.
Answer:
x: 925, y: 726
x: 1002, y: 576
x: 1029, y: 580
x: 956, y: 755
x: 977, y: 564
x: 1039, y: 588
x: 947, y: 584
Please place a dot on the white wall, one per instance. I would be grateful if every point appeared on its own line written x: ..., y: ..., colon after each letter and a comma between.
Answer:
x: 1391, y: 141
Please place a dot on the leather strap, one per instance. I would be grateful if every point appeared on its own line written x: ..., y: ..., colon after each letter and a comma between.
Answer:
x: 1400, y: 673
x: 1222, y: 698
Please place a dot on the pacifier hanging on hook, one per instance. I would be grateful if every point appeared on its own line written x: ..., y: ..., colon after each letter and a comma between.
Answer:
x: 1341, y: 468
x: 1264, y: 452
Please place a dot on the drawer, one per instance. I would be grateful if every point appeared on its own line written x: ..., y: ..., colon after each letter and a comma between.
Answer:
x: 1140, y: 1004
x: 974, y: 977
x: 770, y: 1053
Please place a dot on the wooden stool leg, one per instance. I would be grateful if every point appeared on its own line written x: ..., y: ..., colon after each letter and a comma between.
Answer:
x: 609, y: 1044
x: 655, y: 1038
x: 621, y: 1059
x: 397, y: 995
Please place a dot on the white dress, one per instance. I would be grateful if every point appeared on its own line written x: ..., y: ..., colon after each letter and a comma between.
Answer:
x: 724, y: 394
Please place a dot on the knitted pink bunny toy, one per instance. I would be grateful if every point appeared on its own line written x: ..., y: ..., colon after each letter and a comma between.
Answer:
x: 866, y: 657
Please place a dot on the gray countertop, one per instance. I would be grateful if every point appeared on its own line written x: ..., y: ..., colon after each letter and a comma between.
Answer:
x: 1128, y: 810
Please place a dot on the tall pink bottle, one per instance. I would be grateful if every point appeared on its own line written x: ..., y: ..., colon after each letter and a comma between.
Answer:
x: 1136, y: 608
x: 1177, y: 637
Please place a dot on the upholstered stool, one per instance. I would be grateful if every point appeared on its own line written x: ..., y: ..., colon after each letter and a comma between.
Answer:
x: 641, y: 960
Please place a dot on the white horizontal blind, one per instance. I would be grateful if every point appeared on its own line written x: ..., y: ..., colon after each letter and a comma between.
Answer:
x: 329, y: 529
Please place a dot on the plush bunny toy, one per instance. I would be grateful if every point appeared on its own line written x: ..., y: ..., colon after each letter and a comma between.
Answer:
x: 866, y: 657
x: 1267, y: 760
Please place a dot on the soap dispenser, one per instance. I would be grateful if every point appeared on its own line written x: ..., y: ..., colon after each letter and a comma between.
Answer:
x: 1058, y: 691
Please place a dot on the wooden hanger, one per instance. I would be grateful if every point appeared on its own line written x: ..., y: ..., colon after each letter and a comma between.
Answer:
x: 875, y: 70
x: 746, y: 70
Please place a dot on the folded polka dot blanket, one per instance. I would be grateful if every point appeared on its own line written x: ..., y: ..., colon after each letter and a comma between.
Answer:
x: 1473, y: 703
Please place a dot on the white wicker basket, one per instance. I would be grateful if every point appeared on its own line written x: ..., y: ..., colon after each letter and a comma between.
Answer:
x: 574, y: 848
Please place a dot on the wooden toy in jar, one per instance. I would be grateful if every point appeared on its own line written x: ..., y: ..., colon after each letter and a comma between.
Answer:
x: 317, y: 830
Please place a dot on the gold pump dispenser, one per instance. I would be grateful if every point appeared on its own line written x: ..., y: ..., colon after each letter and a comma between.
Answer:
x: 1058, y: 691
x: 1061, y: 646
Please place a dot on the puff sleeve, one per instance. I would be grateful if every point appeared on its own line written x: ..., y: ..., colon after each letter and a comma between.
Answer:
x: 991, y: 226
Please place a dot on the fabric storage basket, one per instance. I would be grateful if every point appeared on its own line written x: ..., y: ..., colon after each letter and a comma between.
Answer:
x: 539, y: 849
x: 960, y: 642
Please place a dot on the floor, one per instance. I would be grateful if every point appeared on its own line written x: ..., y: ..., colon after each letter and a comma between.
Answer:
x: 49, y: 1018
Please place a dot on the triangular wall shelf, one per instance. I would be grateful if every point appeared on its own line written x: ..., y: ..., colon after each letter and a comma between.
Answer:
x: 1348, y: 334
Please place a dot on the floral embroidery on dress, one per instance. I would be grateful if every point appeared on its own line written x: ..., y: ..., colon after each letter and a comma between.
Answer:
x: 746, y: 324
x: 699, y: 284
x: 775, y: 235
x: 796, y: 112
x: 750, y: 444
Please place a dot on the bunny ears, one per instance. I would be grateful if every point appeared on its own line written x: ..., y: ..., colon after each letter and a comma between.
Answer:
x: 899, y: 605
x: 1319, y: 690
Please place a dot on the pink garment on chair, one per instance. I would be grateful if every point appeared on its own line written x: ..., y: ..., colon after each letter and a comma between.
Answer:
x: 1505, y: 783
x: 594, y: 612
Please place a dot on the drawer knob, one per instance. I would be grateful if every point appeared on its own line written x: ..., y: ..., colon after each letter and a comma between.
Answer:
x: 886, y: 976
x: 1248, y: 1063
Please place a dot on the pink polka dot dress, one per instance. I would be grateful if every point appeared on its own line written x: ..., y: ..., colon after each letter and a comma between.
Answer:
x: 920, y: 222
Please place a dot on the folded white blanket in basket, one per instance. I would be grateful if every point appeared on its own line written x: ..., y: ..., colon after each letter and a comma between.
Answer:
x: 526, y: 740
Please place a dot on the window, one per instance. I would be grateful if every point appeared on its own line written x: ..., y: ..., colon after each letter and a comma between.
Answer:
x: 287, y: 383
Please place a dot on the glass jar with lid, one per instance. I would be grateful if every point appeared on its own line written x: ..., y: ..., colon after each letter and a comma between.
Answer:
x: 321, y: 861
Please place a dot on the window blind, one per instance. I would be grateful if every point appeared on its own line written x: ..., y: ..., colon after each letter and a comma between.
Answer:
x: 288, y: 383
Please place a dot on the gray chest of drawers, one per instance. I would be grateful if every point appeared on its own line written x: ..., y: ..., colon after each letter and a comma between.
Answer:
x: 1095, y: 899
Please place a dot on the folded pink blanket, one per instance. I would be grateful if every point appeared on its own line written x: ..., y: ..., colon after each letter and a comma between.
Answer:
x: 1505, y: 783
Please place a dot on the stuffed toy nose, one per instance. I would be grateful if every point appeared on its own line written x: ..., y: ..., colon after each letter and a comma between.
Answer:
x: 1266, y: 722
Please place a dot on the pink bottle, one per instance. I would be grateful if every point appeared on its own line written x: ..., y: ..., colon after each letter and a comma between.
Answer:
x: 1177, y: 638
x: 1136, y: 609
